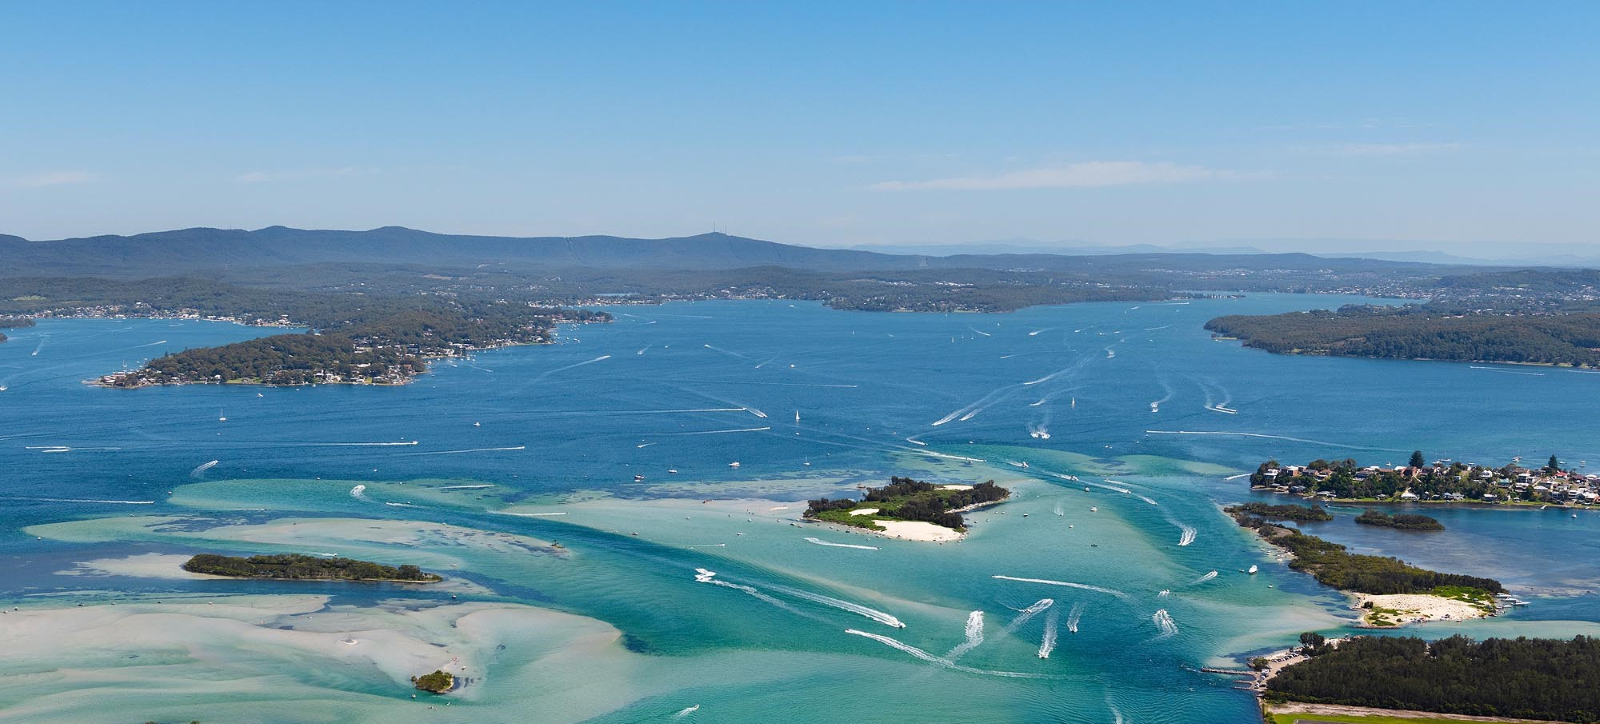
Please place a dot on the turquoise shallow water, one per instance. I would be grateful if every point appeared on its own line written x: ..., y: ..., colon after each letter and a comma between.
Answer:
x: 693, y: 387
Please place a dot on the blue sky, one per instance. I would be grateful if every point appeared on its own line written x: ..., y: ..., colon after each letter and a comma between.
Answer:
x: 816, y: 123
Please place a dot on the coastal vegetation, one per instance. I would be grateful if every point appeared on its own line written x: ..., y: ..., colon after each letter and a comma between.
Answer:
x: 1523, y: 678
x: 1333, y: 565
x: 294, y: 566
x: 1403, y: 521
x: 12, y: 323
x: 1311, y: 513
x: 353, y: 337
x: 438, y: 682
x: 1441, y: 481
x: 908, y: 499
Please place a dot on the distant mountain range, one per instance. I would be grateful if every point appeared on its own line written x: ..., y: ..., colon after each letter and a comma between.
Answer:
x: 166, y: 253
x: 1469, y: 253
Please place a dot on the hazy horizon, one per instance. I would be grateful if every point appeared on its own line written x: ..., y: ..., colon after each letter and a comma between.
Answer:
x: 825, y: 125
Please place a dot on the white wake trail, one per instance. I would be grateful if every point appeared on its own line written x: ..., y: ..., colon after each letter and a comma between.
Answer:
x: 1204, y: 578
x: 854, y: 608
x: 1270, y: 437
x: 974, y: 634
x: 712, y: 432
x: 1164, y: 622
x: 601, y: 358
x: 202, y: 468
x: 1069, y: 584
x: 1074, y: 617
x: 840, y: 545
x: 1027, y: 614
x: 1048, y: 643
x: 940, y: 661
x: 702, y: 575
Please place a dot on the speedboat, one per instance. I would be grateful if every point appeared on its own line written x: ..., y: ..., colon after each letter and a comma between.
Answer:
x: 1253, y: 570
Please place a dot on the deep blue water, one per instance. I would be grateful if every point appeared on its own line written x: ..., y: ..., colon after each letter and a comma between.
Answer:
x: 693, y: 387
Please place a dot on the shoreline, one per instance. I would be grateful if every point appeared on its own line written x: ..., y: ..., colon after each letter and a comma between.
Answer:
x: 1381, y: 501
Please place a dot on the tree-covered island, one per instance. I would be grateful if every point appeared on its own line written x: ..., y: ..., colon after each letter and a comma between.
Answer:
x: 1402, y: 521
x: 297, y: 567
x: 909, y: 500
x: 1423, y: 482
x: 438, y: 682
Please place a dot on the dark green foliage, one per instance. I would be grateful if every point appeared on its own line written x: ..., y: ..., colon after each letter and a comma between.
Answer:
x: 908, y: 499
x: 296, y: 566
x: 1313, y: 643
x: 437, y: 682
x: 1417, y: 460
x: 1419, y: 332
x: 1403, y: 521
x: 285, y: 359
x: 1334, y: 566
x: 361, y: 336
x: 1346, y: 480
x: 1522, y: 678
x: 15, y: 322
x: 1281, y: 512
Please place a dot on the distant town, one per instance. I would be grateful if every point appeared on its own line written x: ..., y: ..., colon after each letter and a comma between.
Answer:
x: 1436, y: 481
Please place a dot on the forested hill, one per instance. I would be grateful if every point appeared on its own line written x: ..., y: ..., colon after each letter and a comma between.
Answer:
x: 165, y: 253
x: 1421, y: 333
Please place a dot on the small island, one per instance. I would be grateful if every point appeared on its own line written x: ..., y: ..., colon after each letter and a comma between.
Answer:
x: 1523, y: 678
x: 1402, y: 521
x: 1387, y: 591
x: 908, y: 508
x: 297, y: 567
x: 438, y: 682
x: 1308, y: 513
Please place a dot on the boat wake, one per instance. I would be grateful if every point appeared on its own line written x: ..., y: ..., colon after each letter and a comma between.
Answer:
x: 202, y: 468
x: 1048, y: 643
x: 1083, y: 586
x: 1027, y: 614
x: 601, y: 358
x: 358, y: 492
x: 1074, y: 617
x: 974, y: 633
x: 854, y: 608
x: 1271, y: 437
x: 1505, y: 371
x: 686, y: 712
x: 1208, y: 576
x: 1164, y: 622
x: 840, y: 545
x: 702, y: 575
x: 86, y: 500
x: 473, y: 450
x: 940, y: 661
x: 1187, y: 534
x: 714, y: 432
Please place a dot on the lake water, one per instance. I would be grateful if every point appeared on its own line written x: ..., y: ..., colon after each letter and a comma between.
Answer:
x: 476, y: 466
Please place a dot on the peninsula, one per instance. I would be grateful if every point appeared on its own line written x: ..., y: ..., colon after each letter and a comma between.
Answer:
x: 909, y: 508
x: 1442, y: 481
x: 350, y: 338
x: 1387, y: 591
x: 297, y: 567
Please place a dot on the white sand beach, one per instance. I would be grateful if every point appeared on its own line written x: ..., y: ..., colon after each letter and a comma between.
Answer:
x: 1416, y: 608
x: 917, y: 530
